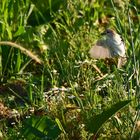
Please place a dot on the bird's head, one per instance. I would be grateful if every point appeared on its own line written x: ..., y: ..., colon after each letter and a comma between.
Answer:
x: 109, y: 33
x: 112, y: 36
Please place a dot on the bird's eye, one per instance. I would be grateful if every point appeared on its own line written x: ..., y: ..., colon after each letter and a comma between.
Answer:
x: 107, y: 31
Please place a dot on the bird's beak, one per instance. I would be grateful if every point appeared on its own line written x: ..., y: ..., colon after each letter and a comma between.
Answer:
x: 103, y: 33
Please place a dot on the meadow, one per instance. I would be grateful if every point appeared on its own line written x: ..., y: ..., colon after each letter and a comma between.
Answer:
x: 50, y: 88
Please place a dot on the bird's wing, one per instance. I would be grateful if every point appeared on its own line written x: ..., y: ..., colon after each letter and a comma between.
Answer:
x: 100, y: 50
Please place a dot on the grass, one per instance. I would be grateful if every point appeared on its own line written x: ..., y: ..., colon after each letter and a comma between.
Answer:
x: 67, y: 95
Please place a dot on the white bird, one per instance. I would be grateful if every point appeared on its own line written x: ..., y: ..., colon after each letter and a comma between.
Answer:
x: 111, y: 46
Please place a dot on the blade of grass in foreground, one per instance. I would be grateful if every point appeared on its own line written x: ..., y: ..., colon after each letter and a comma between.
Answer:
x: 95, y: 123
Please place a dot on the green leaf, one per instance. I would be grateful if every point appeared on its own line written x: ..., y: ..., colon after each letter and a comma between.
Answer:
x: 20, y: 31
x: 95, y: 123
x: 40, y: 127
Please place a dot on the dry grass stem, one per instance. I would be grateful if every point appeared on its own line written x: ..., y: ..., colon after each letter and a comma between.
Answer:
x: 23, y: 50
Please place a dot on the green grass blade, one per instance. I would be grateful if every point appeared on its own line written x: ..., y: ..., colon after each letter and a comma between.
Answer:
x: 95, y: 123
